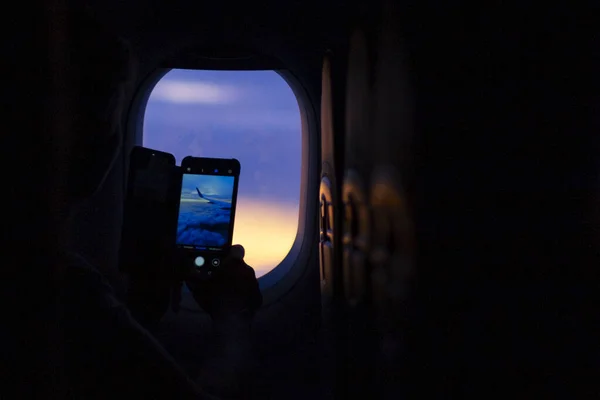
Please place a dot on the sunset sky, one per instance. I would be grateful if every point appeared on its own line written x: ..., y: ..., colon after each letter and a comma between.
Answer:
x: 249, y: 115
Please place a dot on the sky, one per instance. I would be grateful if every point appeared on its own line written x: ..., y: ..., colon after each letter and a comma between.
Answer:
x: 252, y: 116
x: 215, y: 186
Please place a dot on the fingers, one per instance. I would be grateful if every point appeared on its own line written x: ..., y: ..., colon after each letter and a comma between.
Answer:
x: 237, y: 251
x: 233, y: 264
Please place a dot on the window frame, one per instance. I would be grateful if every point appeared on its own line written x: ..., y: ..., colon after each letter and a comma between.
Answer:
x: 276, y: 283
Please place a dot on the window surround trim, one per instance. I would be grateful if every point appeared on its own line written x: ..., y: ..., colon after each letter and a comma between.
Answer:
x: 276, y: 283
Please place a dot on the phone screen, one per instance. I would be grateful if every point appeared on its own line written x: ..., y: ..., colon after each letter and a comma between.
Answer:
x: 205, y: 217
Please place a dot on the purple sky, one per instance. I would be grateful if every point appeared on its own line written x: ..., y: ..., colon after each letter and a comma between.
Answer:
x: 249, y: 115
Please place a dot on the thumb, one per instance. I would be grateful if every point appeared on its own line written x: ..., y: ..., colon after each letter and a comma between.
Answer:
x: 237, y: 251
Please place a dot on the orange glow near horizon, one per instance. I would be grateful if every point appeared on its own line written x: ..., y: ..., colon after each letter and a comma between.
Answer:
x: 267, y: 231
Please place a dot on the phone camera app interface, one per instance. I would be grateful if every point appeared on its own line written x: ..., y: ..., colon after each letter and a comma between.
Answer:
x: 204, y: 211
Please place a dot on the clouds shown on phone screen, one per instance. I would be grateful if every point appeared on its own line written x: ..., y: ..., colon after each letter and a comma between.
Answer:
x: 204, y: 221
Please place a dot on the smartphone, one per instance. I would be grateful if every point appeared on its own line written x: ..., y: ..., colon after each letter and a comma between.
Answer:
x: 206, y: 211
x: 149, y: 214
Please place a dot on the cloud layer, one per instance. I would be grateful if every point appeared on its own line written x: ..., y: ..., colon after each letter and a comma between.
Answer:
x: 186, y: 92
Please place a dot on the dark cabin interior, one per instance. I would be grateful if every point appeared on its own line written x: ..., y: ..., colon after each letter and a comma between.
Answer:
x: 450, y: 193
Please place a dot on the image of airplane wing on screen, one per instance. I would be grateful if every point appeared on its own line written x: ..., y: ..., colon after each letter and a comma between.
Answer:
x: 223, y: 204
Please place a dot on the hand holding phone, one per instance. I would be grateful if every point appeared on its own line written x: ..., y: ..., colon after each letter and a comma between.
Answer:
x: 231, y: 291
x: 176, y: 220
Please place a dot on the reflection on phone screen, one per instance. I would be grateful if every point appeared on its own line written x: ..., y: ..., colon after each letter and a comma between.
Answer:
x: 205, y: 211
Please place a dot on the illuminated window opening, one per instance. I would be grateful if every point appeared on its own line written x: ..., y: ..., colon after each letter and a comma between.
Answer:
x: 250, y: 115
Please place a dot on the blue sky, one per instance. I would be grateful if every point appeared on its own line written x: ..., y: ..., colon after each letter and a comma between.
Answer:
x: 249, y: 115
x: 218, y: 187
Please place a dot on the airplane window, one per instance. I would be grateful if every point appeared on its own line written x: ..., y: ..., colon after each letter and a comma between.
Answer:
x: 249, y: 115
